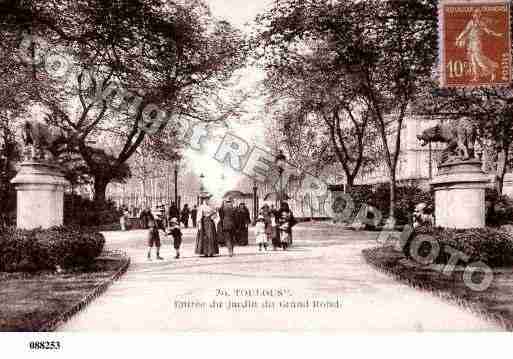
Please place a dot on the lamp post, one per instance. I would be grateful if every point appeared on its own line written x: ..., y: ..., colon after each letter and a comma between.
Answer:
x: 430, y: 163
x: 280, y: 163
x: 176, y: 185
x: 255, y: 202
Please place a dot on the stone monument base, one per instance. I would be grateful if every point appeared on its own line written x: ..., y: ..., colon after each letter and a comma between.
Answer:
x: 460, y: 195
x: 40, y: 195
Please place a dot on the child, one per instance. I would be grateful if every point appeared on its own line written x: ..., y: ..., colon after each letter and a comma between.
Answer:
x: 261, y: 235
x: 153, y: 239
x: 177, y: 235
x: 284, y: 231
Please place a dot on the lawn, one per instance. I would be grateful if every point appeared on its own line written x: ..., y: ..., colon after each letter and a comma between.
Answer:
x: 496, y: 302
x: 40, y: 301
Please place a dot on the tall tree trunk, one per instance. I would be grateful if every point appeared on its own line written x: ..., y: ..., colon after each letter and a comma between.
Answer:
x: 100, y: 187
x: 349, y: 184
x: 502, y: 161
x: 391, y: 213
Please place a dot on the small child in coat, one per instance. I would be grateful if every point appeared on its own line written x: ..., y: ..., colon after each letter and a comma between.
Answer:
x: 261, y: 235
x: 153, y: 239
x: 177, y: 236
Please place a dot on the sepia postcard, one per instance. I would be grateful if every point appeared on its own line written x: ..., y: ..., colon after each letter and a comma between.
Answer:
x: 236, y: 167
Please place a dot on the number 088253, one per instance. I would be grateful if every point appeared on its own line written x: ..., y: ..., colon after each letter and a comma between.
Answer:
x: 44, y: 345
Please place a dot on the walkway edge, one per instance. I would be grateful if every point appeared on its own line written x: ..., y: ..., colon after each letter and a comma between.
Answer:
x: 62, y: 318
x: 372, y: 260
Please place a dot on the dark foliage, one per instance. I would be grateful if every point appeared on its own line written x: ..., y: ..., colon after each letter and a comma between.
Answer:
x: 491, y: 246
x: 66, y: 247
x: 84, y: 212
x: 499, y: 208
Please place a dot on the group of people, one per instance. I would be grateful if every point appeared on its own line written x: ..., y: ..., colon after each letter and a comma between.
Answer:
x: 184, y: 215
x: 231, y: 230
x: 158, y: 215
x: 273, y: 227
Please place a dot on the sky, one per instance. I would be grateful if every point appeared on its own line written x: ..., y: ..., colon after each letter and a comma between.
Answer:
x: 219, y: 178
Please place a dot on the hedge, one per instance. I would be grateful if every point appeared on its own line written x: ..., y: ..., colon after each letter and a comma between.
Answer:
x: 407, y: 197
x: 491, y: 246
x: 33, y: 250
x: 83, y: 212
x: 499, y: 209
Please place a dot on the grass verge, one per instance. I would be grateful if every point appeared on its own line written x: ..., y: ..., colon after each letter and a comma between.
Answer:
x: 42, y: 301
x: 495, y: 303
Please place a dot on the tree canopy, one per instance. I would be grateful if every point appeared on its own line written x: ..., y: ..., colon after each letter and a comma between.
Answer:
x: 118, y: 71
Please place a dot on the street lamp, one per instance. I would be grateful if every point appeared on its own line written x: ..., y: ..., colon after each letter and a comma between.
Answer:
x: 280, y: 163
x: 176, y: 185
x: 203, y: 192
x: 255, y: 201
x: 202, y: 187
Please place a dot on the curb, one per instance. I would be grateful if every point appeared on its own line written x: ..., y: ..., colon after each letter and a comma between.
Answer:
x: 472, y: 307
x: 53, y: 324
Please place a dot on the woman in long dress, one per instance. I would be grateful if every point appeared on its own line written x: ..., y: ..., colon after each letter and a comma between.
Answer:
x: 285, y: 214
x: 220, y: 233
x: 206, y: 242
x: 242, y: 222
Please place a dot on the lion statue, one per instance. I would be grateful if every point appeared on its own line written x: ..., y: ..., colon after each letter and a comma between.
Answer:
x: 40, y: 139
x: 459, y: 135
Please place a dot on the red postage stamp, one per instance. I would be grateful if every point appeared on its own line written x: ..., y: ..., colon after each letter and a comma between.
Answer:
x: 475, y: 43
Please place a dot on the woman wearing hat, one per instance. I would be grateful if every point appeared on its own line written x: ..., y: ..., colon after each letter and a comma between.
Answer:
x: 206, y: 243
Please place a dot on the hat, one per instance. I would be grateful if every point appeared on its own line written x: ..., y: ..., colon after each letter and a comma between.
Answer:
x: 205, y: 195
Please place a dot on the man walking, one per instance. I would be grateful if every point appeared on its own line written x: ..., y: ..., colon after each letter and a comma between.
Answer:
x: 173, y: 212
x: 229, y: 226
x: 194, y: 215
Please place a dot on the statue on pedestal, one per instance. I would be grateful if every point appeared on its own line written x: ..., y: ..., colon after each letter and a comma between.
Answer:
x: 459, y: 135
x: 459, y: 186
x: 40, y: 183
x: 40, y: 140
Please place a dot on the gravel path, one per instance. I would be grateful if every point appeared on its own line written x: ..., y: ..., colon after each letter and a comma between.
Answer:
x: 322, y: 283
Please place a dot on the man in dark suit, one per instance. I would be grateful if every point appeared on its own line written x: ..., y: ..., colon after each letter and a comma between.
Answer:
x: 229, y: 225
x: 174, y: 212
x: 194, y: 214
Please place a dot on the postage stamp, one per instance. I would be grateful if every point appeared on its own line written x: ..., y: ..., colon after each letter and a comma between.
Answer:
x: 475, y: 43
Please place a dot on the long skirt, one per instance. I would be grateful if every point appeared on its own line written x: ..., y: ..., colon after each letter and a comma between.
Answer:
x: 242, y: 236
x: 221, y: 240
x: 206, y: 242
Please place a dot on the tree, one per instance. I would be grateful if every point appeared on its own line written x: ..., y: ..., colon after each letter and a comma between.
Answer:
x: 385, y: 48
x: 131, y: 63
x: 14, y: 91
x: 322, y: 117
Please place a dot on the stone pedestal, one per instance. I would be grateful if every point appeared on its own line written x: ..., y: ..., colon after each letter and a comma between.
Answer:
x: 40, y: 195
x: 460, y: 195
